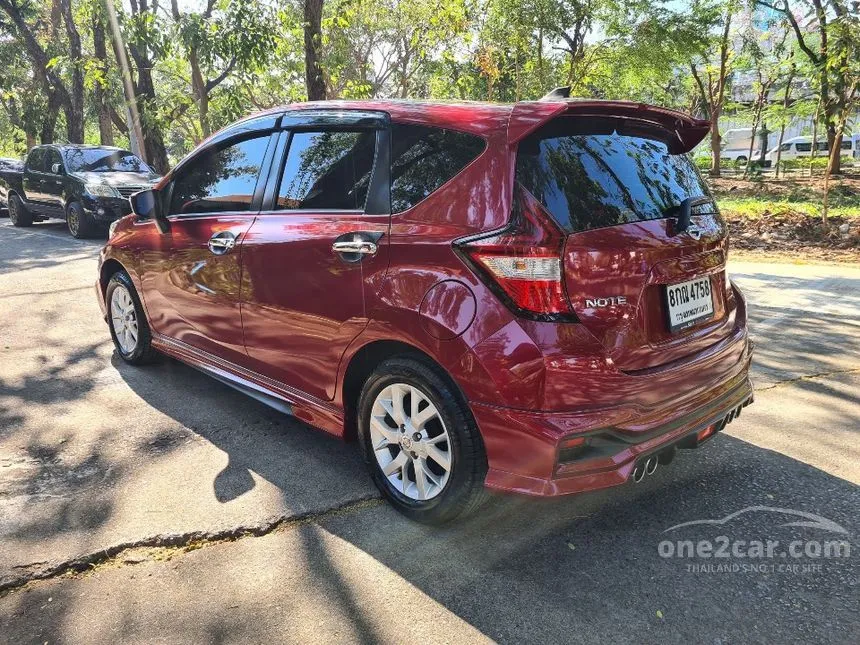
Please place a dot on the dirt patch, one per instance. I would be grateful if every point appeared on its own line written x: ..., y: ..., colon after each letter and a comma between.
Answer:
x: 779, y: 219
x: 844, y: 191
x: 796, y: 235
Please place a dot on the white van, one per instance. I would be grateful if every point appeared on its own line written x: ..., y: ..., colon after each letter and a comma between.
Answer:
x: 735, y: 144
x: 798, y: 147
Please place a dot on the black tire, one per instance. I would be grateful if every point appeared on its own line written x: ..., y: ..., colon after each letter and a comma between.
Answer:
x: 80, y: 225
x: 142, y: 352
x: 18, y: 213
x: 464, y: 491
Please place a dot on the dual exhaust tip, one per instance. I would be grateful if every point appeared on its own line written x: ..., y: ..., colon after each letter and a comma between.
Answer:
x: 647, y: 467
x: 650, y: 465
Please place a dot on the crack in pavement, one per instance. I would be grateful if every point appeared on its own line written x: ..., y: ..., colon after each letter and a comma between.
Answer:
x: 807, y: 377
x: 170, y: 545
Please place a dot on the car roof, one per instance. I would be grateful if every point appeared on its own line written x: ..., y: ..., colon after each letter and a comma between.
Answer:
x: 517, y: 120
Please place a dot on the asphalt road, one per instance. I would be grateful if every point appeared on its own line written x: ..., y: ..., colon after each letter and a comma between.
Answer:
x: 157, y: 505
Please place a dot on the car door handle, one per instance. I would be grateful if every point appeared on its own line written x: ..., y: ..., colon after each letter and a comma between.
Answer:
x: 364, y: 247
x: 222, y: 242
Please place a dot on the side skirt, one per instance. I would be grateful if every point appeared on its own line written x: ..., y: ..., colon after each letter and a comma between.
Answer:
x: 281, y: 397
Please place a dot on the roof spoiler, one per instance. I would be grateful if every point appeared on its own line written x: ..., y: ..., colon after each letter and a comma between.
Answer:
x: 556, y: 94
x: 685, y: 131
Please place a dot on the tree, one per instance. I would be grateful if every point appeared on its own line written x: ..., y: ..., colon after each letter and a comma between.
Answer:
x: 313, y: 41
x: 68, y: 96
x: 830, y: 58
x: 145, y: 40
x: 712, y: 77
x: 217, y: 42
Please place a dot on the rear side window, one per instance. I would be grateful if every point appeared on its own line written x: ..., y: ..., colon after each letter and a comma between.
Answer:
x: 592, y: 173
x: 219, y: 180
x: 423, y: 158
x: 327, y: 170
x: 805, y: 147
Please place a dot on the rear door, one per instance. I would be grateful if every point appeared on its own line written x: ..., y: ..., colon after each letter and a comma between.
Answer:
x: 322, y: 235
x: 652, y: 293
x: 34, y: 171
x: 192, y: 275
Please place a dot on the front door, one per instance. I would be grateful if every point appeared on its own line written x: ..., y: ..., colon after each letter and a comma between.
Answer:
x: 312, y: 252
x: 53, y: 182
x: 191, y: 275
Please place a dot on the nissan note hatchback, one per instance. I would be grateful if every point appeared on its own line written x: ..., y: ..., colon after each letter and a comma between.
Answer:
x: 528, y: 298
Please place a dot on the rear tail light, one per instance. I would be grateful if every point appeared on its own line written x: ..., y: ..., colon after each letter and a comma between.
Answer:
x: 523, y: 262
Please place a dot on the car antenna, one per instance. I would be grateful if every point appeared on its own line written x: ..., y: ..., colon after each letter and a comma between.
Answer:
x: 558, y: 93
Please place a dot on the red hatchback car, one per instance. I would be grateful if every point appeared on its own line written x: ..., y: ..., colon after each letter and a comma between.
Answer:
x: 527, y: 298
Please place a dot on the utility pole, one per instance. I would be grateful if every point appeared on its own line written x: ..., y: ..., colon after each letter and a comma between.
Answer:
x: 132, y: 117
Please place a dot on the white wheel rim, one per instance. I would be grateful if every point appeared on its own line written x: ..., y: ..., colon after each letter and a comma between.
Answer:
x: 123, y: 319
x: 410, y: 442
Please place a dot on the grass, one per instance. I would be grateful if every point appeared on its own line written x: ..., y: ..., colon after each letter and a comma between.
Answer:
x: 753, y: 208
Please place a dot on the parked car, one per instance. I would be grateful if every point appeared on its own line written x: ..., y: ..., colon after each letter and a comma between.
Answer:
x: 528, y: 298
x: 798, y: 147
x: 88, y: 186
x: 7, y: 164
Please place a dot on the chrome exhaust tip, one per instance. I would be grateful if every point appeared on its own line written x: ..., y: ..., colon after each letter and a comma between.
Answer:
x: 651, y: 465
x: 638, y: 473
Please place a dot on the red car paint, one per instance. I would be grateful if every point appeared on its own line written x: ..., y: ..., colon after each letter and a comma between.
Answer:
x: 283, y: 315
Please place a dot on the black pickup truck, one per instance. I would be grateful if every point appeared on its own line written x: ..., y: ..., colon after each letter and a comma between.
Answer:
x: 88, y: 186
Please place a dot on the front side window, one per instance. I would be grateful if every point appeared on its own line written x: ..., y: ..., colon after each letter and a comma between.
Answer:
x: 327, y: 170
x: 220, y: 179
x: 785, y: 146
x: 423, y: 158
x: 53, y: 157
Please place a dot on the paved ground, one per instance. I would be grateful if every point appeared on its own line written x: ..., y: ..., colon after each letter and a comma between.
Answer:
x: 200, y: 515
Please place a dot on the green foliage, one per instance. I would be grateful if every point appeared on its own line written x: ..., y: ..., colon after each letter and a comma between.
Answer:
x: 212, y: 63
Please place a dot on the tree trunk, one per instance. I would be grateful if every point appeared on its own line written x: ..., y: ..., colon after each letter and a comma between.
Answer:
x: 715, y: 144
x: 153, y: 141
x: 49, y: 122
x: 100, y: 51
x: 314, y: 80
x: 74, y: 110
x: 201, y: 95
x: 814, y: 135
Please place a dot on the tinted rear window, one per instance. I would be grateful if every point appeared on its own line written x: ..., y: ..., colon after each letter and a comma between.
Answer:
x: 423, y: 158
x: 592, y: 173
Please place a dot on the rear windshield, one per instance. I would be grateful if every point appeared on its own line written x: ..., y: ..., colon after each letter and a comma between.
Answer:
x: 592, y: 173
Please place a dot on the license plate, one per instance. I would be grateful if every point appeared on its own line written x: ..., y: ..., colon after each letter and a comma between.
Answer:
x: 689, y: 302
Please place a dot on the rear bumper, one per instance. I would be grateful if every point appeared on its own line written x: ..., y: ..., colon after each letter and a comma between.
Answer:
x: 524, y: 448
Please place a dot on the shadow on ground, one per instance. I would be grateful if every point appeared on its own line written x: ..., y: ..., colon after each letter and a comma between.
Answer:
x: 586, y: 568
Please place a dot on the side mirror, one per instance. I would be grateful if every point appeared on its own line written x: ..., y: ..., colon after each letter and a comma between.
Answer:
x: 145, y: 205
x: 57, y: 169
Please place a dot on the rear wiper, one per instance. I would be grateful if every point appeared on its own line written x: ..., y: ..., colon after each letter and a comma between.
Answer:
x: 685, y: 210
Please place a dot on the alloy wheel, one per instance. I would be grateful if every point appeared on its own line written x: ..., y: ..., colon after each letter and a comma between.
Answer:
x: 124, y: 319
x: 73, y: 221
x: 410, y: 442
